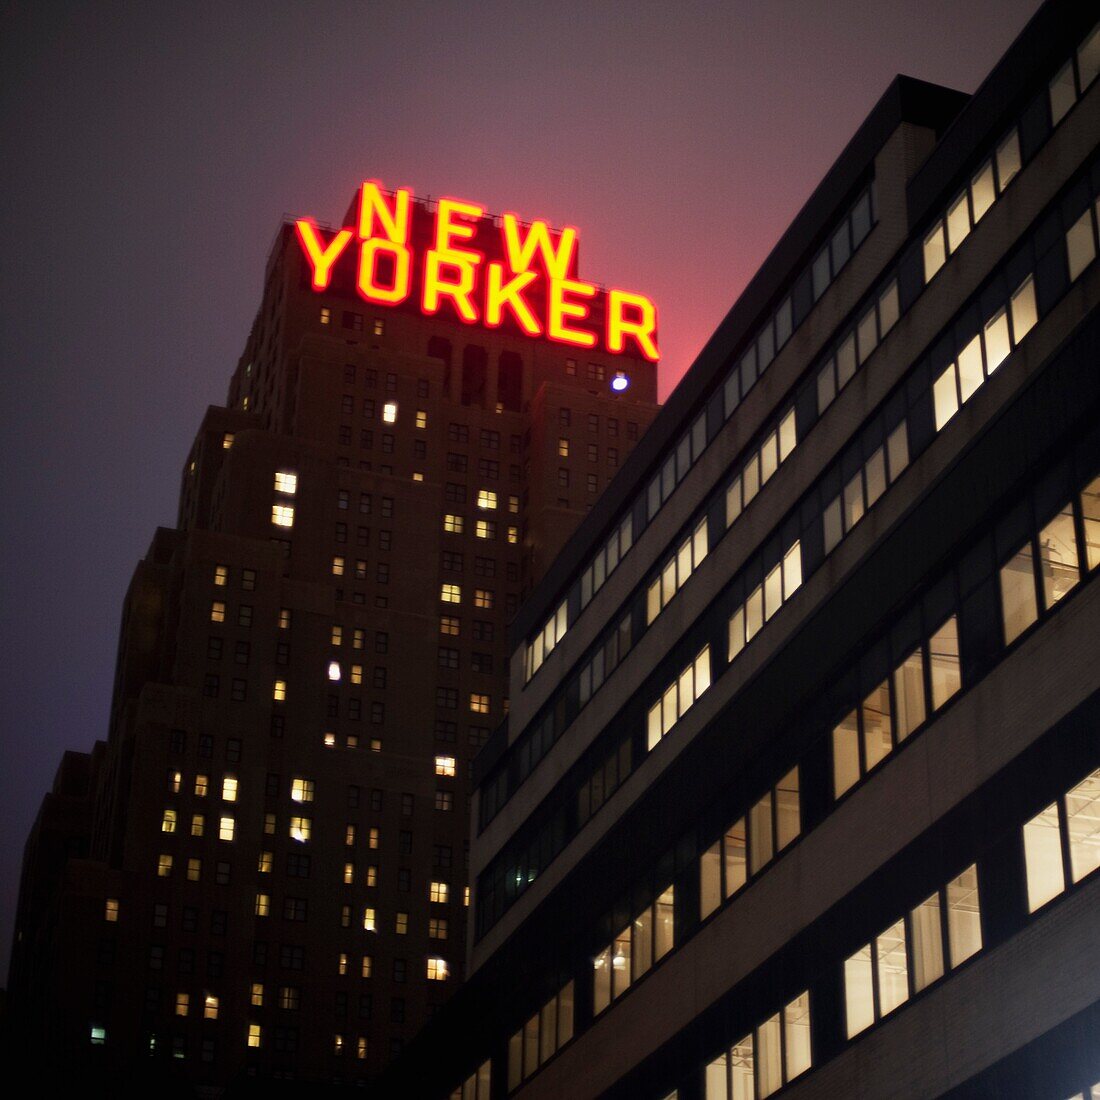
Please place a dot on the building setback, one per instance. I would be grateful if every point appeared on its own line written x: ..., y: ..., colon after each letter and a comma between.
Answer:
x: 806, y: 797
x: 262, y: 872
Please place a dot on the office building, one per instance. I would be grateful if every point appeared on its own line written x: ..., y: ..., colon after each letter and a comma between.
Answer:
x: 806, y: 797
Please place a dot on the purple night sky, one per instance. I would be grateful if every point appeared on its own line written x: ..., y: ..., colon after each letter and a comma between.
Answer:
x: 150, y: 151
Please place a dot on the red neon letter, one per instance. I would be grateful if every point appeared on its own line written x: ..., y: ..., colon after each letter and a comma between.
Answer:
x: 642, y: 330
x: 447, y: 230
x: 510, y: 294
x: 520, y: 252
x: 394, y: 241
x: 445, y: 257
x: 560, y: 309
x: 321, y: 257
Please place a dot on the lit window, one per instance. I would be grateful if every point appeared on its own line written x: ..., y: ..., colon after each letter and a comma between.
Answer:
x: 217, y: 612
x: 883, y: 974
x: 563, y: 447
x: 279, y: 691
x: 450, y: 593
x: 227, y: 440
x: 349, y: 835
x: 221, y: 575
x: 300, y: 828
x: 301, y: 790
x: 438, y: 892
x: 183, y: 1003
x: 678, y: 698
x: 437, y: 970
x: 255, y: 1032
x: 373, y: 838
x: 486, y: 529
x: 452, y: 524
x: 334, y: 670
x: 1058, y: 563
x: 444, y: 765
x: 210, y: 1007
x: 1019, y: 603
x: 483, y: 597
x: 164, y: 866
x: 645, y: 940
x: 229, y: 788
x: 338, y: 566
x: 513, y: 535
x: 175, y: 781
x: 486, y: 499
x: 282, y: 515
x: 286, y: 482
x: 401, y: 923
x: 194, y: 869
x: 370, y: 923
x: 421, y: 418
x: 479, y: 703
x: 356, y: 674
x: 337, y: 636
x: 226, y: 828
x: 284, y: 618
x: 337, y: 1044
x: 168, y: 821
x: 265, y: 863
x: 326, y: 318
x: 367, y: 967
x: 361, y: 1047
x: 257, y: 997
x: 110, y: 911
x: 389, y: 412
x: 200, y: 786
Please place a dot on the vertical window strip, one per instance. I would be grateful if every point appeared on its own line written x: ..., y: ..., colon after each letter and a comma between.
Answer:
x: 911, y: 953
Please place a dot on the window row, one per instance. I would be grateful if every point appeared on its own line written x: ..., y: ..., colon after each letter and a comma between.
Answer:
x: 613, y: 648
x: 779, y: 584
x: 541, y: 1037
x: 760, y: 466
x: 865, y: 486
x: 675, y: 572
x: 910, y: 955
x: 248, y: 578
x: 1062, y: 842
x: 809, y: 286
x: 552, y: 632
x: 678, y: 698
x: 922, y: 682
x: 984, y: 353
x: 1047, y: 567
x: 644, y: 941
x: 750, y: 844
x: 772, y: 1055
x: 477, y: 1086
x: 969, y: 207
x: 1074, y: 78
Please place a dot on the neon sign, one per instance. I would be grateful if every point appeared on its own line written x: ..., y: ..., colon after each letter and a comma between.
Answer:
x: 461, y: 263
